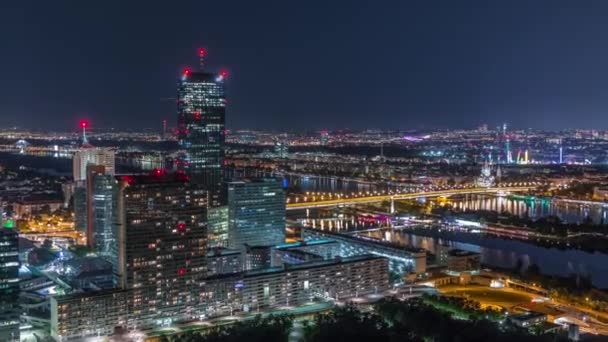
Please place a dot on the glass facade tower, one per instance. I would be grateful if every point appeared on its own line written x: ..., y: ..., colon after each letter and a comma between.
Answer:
x: 256, y: 212
x: 103, y: 204
x: 201, y: 110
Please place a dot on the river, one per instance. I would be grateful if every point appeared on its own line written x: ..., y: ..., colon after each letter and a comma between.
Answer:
x: 534, y: 208
x: 506, y: 253
x: 495, y: 251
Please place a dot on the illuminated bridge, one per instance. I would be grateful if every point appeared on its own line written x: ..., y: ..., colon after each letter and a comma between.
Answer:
x: 403, y: 196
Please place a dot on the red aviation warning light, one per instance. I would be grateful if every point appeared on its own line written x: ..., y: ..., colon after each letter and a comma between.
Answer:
x: 186, y: 73
x: 84, y: 124
x: 222, y: 75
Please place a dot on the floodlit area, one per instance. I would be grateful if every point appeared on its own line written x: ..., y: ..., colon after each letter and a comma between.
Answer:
x: 506, y: 298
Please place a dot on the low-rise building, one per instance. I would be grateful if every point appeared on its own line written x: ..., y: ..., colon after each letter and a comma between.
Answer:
x: 528, y: 319
x: 296, y: 284
x: 461, y: 261
x: 303, y: 251
x: 98, y: 314
x: 29, y: 207
x: 223, y: 261
x: 88, y: 314
x: 401, y: 260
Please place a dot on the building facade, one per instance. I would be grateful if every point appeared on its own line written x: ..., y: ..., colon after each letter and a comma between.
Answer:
x: 217, y: 233
x: 104, y: 190
x: 223, y: 261
x: 462, y: 261
x: 162, y: 229
x: 201, y: 120
x: 88, y: 155
x: 256, y: 211
x: 9, y: 285
x: 336, y: 279
x: 82, y: 315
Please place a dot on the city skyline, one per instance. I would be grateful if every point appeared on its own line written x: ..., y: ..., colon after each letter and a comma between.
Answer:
x: 400, y: 198
x: 408, y: 65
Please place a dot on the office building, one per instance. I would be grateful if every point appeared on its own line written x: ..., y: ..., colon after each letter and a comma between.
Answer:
x: 82, y: 159
x: 223, y: 261
x: 257, y: 256
x: 162, y: 229
x: 256, y: 211
x: 217, y: 232
x: 161, y: 252
x: 101, y: 192
x: 201, y: 119
x: 9, y: 284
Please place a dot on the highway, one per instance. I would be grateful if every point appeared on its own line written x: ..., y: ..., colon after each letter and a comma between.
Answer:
x: 402, y: 196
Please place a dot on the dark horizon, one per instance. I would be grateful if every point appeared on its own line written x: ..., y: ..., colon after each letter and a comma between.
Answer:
x: 413, y: 65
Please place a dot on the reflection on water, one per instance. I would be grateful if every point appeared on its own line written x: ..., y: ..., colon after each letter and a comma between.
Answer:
x: 503, y: 253
x: 534, y: 208
x: 346, y: 223
x: 337, y: 184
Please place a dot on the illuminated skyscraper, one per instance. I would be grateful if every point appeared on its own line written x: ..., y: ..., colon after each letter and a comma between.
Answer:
x: 87, y: 155
x: 162, y: 230
x: 201, y: 119
x: 101, y: 213
x: 9, y: 285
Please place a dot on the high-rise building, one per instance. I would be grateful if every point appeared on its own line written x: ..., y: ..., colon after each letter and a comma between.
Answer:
x: 102, y: 190
x: 88, y: 155
x: 9, y: 284
x: 256, y: 211
x: 201, y: 119
x: 162, y: 229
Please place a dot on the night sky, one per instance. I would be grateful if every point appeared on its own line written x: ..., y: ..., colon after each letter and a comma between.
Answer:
x: 298, y: 65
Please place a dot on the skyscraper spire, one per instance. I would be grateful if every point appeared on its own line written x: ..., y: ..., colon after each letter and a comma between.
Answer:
x: 201, y: 58
x: 84, y: 125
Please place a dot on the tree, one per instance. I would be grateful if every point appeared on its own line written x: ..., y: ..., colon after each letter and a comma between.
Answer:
x: 347, y: 324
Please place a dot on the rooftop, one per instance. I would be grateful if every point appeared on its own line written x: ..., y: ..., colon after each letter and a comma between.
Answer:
x: 157, y: 176
x: 305, y: 243
x: 221, y: 251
